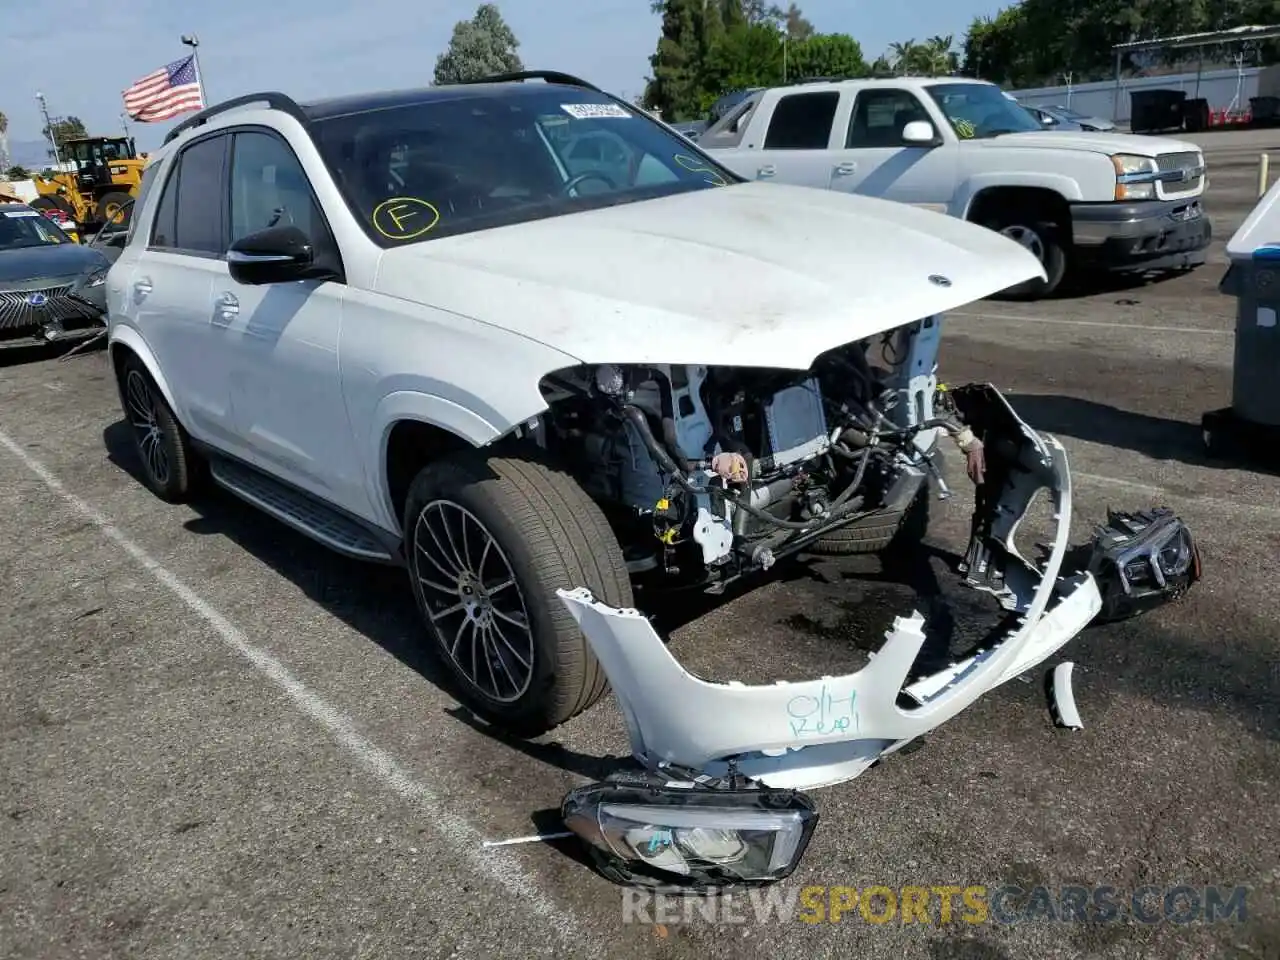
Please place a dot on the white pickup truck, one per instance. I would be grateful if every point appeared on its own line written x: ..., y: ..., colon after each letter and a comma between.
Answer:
x: 1077, y: 200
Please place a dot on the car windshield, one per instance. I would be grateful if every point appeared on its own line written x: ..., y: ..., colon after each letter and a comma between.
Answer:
x: 979, y: 110
x: 482, y: 158
x: 24, y: 227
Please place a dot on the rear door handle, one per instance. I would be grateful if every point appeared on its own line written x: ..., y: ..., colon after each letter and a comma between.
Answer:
x: 225, y: 308
x: 846, y: 168
x: 141, y: 287
x: 768, y: 170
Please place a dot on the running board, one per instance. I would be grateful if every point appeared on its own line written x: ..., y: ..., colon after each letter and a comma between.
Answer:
x: 303, y: 513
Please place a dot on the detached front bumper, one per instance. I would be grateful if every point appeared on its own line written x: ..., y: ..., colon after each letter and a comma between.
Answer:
x: 830, y: 729
x: 1148, y: 235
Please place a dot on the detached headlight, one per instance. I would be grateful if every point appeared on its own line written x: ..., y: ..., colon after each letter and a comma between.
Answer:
x: 1135, y: 177
x: 690, y: 836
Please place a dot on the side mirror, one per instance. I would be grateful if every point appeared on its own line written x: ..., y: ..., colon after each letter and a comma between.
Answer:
x: 274, y: 255
x: 920, y: 133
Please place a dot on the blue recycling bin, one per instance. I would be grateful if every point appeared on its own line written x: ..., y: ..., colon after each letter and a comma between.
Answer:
x: 1250, y: 427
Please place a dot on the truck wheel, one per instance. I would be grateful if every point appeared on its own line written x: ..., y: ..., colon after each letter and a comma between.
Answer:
x: 171, y: 468
x: 1044, y: 239
x: 110, y: 206
x: 489, y: 539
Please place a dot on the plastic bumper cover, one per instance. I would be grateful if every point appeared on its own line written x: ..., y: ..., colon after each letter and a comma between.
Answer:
x: 828, y: 730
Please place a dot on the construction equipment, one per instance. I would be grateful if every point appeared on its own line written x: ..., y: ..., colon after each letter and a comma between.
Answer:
x: 106, y: 177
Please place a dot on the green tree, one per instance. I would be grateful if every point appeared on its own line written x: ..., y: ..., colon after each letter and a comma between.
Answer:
x: 826, y: 55
x: 750, y: 56
x: 678, y: 62
x: 67, y: 128
x: 479, y: 47
x: 17, y: 173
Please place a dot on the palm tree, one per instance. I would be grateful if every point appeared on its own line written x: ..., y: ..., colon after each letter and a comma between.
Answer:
x: 939, y: 57
x: 4, y: 141
x: 902, y: 56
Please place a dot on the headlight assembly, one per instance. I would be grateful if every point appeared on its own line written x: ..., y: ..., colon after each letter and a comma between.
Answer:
x: 97, y: 278
x: 688, y: 836
x: 1142, y: 560
x: 1135, y: 177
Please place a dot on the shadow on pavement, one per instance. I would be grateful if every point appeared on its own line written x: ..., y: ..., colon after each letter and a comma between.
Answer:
x: 1152, y: 655
x: 1159, y: 438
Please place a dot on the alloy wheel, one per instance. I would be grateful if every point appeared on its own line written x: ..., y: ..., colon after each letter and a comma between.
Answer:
x: 141, y: 406
x: 472, y: 600
x: 1027, y: 238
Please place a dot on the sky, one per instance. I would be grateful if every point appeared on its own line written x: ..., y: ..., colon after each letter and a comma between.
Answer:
x: 317, y: 48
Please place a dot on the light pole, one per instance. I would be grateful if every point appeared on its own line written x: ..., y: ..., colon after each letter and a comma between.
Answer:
x: 1067, y: 77
x: 192, y: 41
x: 48, y: 125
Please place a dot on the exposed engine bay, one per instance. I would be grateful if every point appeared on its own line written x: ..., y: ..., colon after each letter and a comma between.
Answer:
x: 708, y: 472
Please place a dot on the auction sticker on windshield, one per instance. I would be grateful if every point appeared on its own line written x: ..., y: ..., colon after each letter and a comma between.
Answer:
x: 593, y: 111
x: 21, y: 213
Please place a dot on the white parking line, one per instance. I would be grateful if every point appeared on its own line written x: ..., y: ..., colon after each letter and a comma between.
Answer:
x: 454, y: 829
x: 1016, y: 318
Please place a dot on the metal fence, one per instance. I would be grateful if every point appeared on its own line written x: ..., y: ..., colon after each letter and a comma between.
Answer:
x: 1219, y: 87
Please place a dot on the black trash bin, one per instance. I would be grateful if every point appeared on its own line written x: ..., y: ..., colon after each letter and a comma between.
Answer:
x: 1250, y: 427
x: 1264, y: 110
x: 1154, y: 110
x: 1195, y: 115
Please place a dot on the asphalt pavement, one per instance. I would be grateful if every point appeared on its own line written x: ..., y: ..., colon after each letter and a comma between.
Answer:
x: 220, y: 740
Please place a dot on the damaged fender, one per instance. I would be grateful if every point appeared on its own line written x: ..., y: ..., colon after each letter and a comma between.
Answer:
x: 825, y: 731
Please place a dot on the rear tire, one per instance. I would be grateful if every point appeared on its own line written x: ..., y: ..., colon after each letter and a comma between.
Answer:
x: 171, y: 468
x: 489, y: 539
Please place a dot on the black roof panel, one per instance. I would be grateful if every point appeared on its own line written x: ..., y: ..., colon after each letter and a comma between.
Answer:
x: 389, y: 99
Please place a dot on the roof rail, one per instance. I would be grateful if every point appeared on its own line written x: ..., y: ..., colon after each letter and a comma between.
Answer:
x: 550, y: 76
x: 276, y: 101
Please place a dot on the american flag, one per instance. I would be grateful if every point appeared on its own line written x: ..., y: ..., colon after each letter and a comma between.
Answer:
x: 165, y: 93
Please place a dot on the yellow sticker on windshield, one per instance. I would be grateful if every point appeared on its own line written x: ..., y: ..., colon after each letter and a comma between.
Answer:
x: 404, y: 218
x: 694, y: 165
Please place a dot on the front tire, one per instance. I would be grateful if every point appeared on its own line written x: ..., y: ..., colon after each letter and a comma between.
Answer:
x: 1045, y: 240
x: 488, y: 540
x: 171, y: 468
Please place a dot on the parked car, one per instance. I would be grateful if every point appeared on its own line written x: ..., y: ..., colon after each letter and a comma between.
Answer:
x: 399, y: 324
x: 1084, y: 121
x: 1089, y: 200
x: 51, y: 288
x: 1050, y: 120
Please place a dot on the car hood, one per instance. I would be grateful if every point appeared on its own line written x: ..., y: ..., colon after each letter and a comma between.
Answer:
x: 1092, y: 142
x: 47, y: 261
x: 749, y: 275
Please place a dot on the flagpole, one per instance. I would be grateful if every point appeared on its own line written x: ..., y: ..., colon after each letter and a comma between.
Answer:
x: 192, y: 41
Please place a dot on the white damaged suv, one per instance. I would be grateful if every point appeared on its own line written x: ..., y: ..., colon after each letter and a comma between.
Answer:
x: 444, y: 329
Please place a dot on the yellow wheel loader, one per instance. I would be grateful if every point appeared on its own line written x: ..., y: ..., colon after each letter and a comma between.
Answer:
x: 106, y: 177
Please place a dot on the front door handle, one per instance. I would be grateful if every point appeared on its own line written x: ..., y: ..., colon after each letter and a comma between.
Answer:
x: 226, y: 308
x: 846, y: 168
x: 768, y: 170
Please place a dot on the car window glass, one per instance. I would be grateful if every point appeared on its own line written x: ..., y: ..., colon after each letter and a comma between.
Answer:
x: 802, y: 121
x: 879, y: 117
x: 148, y: 178
x: 269, y: 188
x: 728, y: 130
x: 200, y: 197
x: 162, y: 232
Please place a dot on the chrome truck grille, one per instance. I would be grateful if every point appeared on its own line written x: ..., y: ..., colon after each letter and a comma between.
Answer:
x: 1181, y: 174
x: 24, y: 311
